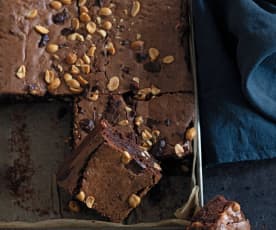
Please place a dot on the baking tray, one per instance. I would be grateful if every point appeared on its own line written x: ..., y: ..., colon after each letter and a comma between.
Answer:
x: 34, y: 140
x: 197, y: 144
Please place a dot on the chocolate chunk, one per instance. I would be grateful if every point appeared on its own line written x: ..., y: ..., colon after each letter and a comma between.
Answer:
x: 153, y: 67
x: 162, y: 143
x: 60, y: 18
x: 87, y: 125
x: 44, y: 40
x: 125, y: 69
x: 67, y: 31
x: 32, y: 88
x: 99, y: 3
x: 141, y: 57
x: 128, y: 98
x: 158, y: 148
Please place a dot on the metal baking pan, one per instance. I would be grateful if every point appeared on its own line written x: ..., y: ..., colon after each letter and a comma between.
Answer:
x: 197, y: 149
x: 34, y: 141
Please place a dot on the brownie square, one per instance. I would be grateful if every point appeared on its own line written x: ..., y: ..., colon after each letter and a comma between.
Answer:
x: 22, y: 44
x: 109, y: 173
x: 220, y: 213
x: 137, y: 36
x: 165, y: 124
x: 88, y: 113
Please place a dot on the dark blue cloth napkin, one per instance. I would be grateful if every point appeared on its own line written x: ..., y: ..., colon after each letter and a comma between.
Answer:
x: 236, y: 64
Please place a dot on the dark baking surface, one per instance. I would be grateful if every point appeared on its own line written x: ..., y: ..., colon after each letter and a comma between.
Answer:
x: 33, y: 143
x: 252, y: 184
x: 38, y: 136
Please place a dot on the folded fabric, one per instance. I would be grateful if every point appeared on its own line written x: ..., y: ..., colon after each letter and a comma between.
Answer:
x: 236, y: 62
x: 253, y: 25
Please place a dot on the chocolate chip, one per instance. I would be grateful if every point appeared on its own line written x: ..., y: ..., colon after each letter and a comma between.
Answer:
x: 87, y: 125
x: 125, y: 69
x: 158, y: 148
x: 140, y: 57
x: 128, y: 98
x: 153, y: 67
x: 67, y: 31
x: 31, y: 88
x: 168, y: 122
x: 59, y: 18
x: 99, y: 3
x: 162, y: 143
x: 43, y: 41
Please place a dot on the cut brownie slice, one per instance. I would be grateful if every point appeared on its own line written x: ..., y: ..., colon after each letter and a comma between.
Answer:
x: 165, y: 124
x: 88, y: 113
x: 109, y: 173
x: 149, y: 49
x: 220, y: 214
x: 27, y: 28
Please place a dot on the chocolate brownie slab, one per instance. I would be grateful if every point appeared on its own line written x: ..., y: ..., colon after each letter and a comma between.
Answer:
x: 109, y: 173
x: 48, y: 40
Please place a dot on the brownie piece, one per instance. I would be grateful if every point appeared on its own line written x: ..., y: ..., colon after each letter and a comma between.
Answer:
x: 137, y: 36
x: 164, y: 124
x: 109, y: 173
x: 220, y: 213
x: 88, y: 113
x: 51, y: 48
x: 25, y: 45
